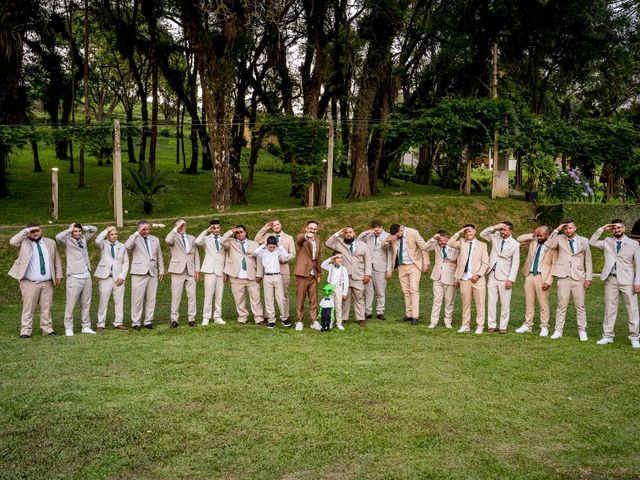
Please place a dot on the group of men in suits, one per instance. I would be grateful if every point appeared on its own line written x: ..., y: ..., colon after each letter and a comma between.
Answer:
x: 461, y: 262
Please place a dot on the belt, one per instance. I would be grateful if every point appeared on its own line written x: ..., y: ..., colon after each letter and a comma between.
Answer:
x: 278, y: 273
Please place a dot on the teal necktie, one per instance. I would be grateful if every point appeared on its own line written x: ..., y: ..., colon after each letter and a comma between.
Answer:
x: 502, y: 246
x: 400, y: 259
x: 80, y: 244
x: 43, y: 267
x: 444, y: 252
x: 536, y: 260
x: 217, y: 243
x: 244, y: 260
x: 184, y: 242
x: 573, y: 251
x: 351, y: 247
x: 113, y: 250
x: 146, y: 244
x: 618, y: 246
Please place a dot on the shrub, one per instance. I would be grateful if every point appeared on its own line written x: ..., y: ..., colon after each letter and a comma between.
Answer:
x: 571, y: 186
x: 146, y: 186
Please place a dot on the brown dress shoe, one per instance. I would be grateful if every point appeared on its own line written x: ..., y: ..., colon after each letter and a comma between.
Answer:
x: 263, y: 323
x: 120, y: 327
x: 503, y: 331
x: 100, y: 329
x: 491, y: 330
x: 362, y: 323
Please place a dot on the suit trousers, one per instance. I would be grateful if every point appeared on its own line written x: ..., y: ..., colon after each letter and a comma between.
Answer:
x: 306, y: 286
x: 337, y: 306
x: 612, y: 293
x: 356, y: 292
x: 286, y: 303
x: 239, y: 289
x: 213, y: 288
x: 496, y: 289
x: 143, y: 287
x: 108, y: 287
x: 377, y: 285
x: 532, y: 290
x: 567, y: 288
x: 78, y: 289
x: 409, y: 276
x: 274, y: 290
x: 180, y: 282
x: 440, y: 292
x: 477, y: 291
x: 34, y: 294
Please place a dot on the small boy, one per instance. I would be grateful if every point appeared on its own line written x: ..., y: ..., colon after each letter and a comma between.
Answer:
x: 339, y: 279
x: 327, y: 308
x: 270, y: 255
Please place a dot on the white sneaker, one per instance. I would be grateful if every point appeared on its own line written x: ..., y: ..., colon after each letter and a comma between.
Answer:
x: 219, y: 321
x: 205, y: 322
x: 635, y: 343
x: 583, y: 336
x: 606, y: 341
x: 479, y: 330
x: 464, y: 329
x: 523, y: 329
x: 339, y: 326
x: 88, y: 330
x: 556, y: 335
x: 544, y: 332
x: 316, y: 325
x: 299, y: 326
x: 432, y: 325
x: 69, y: 332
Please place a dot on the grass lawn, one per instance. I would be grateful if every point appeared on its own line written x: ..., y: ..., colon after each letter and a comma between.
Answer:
x: 387, y: 401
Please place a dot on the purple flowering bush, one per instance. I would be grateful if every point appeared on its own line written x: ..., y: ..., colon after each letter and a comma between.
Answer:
x: 571, y: 186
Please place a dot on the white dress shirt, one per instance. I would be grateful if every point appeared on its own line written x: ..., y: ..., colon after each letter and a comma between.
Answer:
x: 271, y: 260
x: 33, y: 270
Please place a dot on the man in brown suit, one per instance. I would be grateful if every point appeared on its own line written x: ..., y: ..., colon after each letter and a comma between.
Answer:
x: 537, y: 278
x: 37, y: 268
x: 307, y: 272
x: 356, y: 258
x: 285, y: 241
x: 621, y: 277
x: 472, y: 264
x: 244, y: 272
x: 410, y: 255
x: 184, y: 268
x: 574, y: 271
x: 443, y: 277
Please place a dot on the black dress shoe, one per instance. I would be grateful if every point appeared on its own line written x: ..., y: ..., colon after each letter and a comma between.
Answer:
x: 148, y: 326
x: 368, y: 316
x: 136, y: 328
x: 406, y: 319
x: 192, y: 324
x: 173, y: 324
x: 414, y: 321
x: 24, y: 336
x: 381, y: 316
x: 52, y: 334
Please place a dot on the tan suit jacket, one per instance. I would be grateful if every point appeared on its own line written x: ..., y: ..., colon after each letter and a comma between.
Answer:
x: 306, y: 263
x: 21, y: 242
x: 545, y: 265
x: 480, y: 261
x: 141, y: 262
x: 108, y: 266
x: 443, y: 270
x: 181, y: 259
x: 416, y: 246
x: 504, y: 261
x: 381, y: 258
x: 358, y: 263
x: 233, y: 260
x: 77, y: 258
x: 578, y: 266
x: 213, y: 258
x: 286, y: 242
x: 627, y: 260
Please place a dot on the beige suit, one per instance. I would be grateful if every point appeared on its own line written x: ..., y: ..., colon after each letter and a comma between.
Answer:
x: 78, y: 275
x: 285, y: 241
x: 183, y: 266
x: 240, y: 286
x: 108, y: 271
x: 146, y: 264
x: 534, y: 280
x: 381, y: 263
x: 477, y: 266
x: 620, y: 273
x: 356, y: 258
x: 213, y: 269
x: 410, y: 269
x: 504, y: 262
x: 571, y: 268
x: 37, y: 291
x: 443, y: 281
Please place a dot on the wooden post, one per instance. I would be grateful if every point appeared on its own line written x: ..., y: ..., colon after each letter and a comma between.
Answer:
x: 117, y: 174
x: 54, y: 194
x: 329, y: 202
x: 312, y: 194
x: 467, y: 179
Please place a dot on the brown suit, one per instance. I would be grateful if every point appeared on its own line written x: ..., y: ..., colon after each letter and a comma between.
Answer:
x: 307, y: 272
x: 35, y: 293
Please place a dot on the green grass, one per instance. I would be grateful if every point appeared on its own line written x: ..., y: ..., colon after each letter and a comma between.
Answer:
x: 387, y: 401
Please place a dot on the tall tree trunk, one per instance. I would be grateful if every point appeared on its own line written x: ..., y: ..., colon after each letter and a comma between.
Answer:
x: 81, y: 160
x: 424, y: 169
x: 36, y: 157
x: 131, y: 149
x: 345, y: 134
